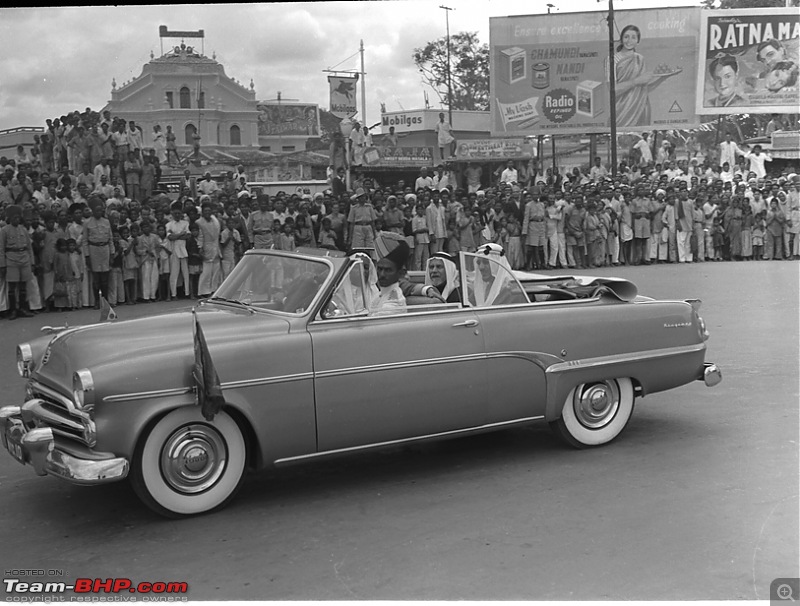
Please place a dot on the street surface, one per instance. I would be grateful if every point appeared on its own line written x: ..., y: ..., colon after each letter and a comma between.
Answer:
x: 698, y: 499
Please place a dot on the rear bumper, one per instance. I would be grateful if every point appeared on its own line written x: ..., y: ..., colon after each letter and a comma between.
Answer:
x: 712, y: 375
x: 49, y: 454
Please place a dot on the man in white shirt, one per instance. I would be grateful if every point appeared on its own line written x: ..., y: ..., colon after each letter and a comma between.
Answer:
x: 757, y: 160
x: 177, y: 235
x: 101, y: 170
x: 509, y: 174
x: 104, y: 188
x: 207, y: 186
x: 134, y: 137
x: 672, y: 171
x: 729, y: 151
x: 474, y: 174
x: 726, y: 174
x: 441, y: 180
x: 424, y: 180
x: 643, y: 147
x: 598, y: 172
x: 238, y: 176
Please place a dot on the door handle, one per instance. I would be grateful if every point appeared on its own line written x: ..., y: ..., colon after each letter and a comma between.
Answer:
x: 466, y: 324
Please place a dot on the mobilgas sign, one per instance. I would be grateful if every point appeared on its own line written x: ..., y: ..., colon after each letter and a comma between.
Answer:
x: 404, y: 122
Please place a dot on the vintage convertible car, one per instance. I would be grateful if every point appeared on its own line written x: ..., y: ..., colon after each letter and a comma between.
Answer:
x: 306, y: 371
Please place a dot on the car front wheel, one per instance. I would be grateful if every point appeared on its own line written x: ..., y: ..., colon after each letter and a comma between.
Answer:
x: 187, y: 465
x: 595, y: 413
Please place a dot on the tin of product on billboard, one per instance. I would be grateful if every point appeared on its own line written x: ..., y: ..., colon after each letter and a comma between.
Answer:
x: 541, y: 75
x: 749, y: 61
x: 567, y: 89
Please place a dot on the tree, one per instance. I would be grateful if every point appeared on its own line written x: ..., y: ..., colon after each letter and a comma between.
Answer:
x: 469, y: 64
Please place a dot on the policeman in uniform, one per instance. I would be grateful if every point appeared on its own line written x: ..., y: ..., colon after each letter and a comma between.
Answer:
x: 98, y: 248
x: 16, y: 260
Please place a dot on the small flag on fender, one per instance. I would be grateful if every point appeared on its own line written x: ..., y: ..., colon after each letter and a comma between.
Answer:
x: 107, y: 314
x: 206, y: 380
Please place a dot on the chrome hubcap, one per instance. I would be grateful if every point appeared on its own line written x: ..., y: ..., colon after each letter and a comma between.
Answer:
x: 596, y: 405
x: 193, y: 458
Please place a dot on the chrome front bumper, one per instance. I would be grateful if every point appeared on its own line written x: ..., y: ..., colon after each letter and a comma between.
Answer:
x: 49, y: 454
x: 712, y: 375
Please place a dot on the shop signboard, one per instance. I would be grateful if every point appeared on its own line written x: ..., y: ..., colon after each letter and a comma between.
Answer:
x: 749, y: 61
x: 495, y: 149
x: 552, y: 72
x: 398, y: 156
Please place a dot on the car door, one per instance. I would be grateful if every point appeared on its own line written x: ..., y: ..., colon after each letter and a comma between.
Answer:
x: 380, y: 379
x: 513, y: 341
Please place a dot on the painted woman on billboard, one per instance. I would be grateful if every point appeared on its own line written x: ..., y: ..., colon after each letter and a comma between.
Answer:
x: 633, y: 81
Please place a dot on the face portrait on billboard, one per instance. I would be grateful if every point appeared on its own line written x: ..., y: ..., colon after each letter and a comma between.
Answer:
x: 771, y: 52
x: 783, y: 73
x: 724, y: 70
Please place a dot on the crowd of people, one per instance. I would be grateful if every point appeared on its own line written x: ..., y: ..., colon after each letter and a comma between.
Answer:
x: 82, y: 222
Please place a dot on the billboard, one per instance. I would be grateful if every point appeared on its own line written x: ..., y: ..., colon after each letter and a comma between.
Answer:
x: 343, y: 96
x: 288, y: 119
x: 550, y: 72
x: 749, y: 61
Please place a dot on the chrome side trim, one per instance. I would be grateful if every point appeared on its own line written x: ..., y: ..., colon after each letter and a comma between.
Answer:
x: 144, y: 395
x: 637, y: 356
x: 179, y: 391
x: 324, y: 374
x: 303, y: 376
x: 532, y: 357
x: 426, y: 310
x: 431, y: 436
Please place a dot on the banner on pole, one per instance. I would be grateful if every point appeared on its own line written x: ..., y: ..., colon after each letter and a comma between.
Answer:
x: 550, y: 72
x: 343, y: 95
x: 749, y: 61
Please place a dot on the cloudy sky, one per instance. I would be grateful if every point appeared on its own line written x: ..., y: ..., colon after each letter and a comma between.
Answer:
x: 55, y: 60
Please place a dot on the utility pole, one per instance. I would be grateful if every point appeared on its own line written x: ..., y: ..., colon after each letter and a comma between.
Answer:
x: 611, y: 89
x: 280, y: 130
x: 363, y: 87
x: 447, y: 10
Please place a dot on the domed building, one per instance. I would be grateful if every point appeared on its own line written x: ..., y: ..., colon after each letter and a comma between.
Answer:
x: 217, y: 121
x: 191, y: 93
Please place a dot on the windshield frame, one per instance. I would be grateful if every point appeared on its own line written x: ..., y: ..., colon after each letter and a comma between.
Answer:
x: 318, y: 297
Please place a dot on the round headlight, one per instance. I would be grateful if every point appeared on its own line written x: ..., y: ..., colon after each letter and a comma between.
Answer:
x: 82, y: 388
x: 24, y: 360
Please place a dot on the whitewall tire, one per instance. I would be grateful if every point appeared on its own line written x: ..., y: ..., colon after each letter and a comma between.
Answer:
x: 595, y: 413
x: 186, y: 465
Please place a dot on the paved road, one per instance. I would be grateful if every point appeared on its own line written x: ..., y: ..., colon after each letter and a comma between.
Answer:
x: 697, y: 500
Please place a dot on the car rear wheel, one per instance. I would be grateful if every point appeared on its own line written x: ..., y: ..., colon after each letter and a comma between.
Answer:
x: 595, y: 413
x: 187, y: 465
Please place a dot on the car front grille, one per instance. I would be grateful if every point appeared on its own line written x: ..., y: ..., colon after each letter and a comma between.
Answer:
x: 59, y: 413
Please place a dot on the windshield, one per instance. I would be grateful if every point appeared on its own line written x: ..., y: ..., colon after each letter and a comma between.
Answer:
x: 274, y: 282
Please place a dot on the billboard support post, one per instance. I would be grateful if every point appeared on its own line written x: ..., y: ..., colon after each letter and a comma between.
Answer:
x: 612, y: 95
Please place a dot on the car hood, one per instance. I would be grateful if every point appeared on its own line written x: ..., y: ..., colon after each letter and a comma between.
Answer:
x: 152, y: 353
